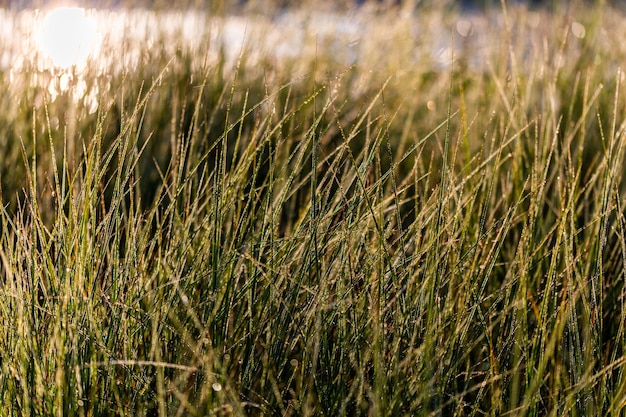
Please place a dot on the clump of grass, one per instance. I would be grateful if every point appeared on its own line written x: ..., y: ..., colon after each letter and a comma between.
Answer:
x: 362, y: 240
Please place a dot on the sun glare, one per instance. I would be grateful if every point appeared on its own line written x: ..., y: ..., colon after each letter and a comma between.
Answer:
x: 68, y: 37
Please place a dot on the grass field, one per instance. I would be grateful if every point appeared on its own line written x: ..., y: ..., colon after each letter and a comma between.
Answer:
x: 419, y: 231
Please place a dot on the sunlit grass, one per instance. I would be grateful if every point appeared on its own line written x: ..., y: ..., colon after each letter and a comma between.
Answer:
x: 384, y: 223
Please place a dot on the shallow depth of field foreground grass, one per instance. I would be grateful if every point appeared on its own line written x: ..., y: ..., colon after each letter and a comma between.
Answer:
x: 393, y: 236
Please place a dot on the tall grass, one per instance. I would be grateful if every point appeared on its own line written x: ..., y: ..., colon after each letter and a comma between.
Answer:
x: 305, y: 237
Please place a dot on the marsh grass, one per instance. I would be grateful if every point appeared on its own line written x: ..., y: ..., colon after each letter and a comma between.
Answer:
x: 386, y: 238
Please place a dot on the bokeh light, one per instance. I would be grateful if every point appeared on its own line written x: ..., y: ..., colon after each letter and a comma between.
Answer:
x: 68, y: 37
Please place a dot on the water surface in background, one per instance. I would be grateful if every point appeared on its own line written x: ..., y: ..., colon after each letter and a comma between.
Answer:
x: 63, y: 43
x: 111, y: 39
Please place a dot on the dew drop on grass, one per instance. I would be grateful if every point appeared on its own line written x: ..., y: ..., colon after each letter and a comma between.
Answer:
x: 578, y: 30
x: 52, y: 89
x: 64, y: 82
x: 464, y: 27
x: 91, y: 103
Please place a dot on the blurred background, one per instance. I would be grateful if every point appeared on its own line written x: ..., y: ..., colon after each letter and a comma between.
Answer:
x: 235, y: 6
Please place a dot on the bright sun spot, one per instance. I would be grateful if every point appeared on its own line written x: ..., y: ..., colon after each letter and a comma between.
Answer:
x: 68, y: 37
